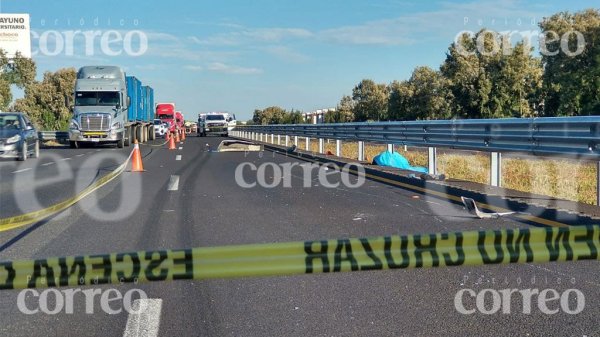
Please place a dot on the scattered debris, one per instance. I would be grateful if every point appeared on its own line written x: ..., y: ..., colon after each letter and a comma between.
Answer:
x: 471, y: 207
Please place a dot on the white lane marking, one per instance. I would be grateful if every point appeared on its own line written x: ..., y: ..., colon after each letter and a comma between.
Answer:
x: 173, y: 183
x: 49, y: 163
x: 180, y: 143
x: 98, y: 150
x: 181, y: 148
x: 65, y: 159
x: 23, y: 170
x: 144, y: 320
x: 80, y: 155
x: 178, y: 157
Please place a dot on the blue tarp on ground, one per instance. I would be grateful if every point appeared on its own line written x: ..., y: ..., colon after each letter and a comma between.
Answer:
x: 395, y: 159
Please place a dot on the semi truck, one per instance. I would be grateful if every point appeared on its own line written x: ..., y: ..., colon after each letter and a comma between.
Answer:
x: 110, y: 107
x: 166, y: 113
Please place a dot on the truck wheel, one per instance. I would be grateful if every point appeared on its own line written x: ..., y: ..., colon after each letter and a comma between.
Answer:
x: 151, y: 133
x: 73, y: 144
x: 127, y: 137
x: 121, y: 142
x: 138, y: 133
x: 144, y: 133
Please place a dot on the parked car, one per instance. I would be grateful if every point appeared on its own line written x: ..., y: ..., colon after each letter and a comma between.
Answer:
x: 159, y: 128
x: 18, y: 137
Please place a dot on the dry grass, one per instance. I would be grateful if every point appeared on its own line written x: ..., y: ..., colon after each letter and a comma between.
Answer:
x: 562, y: 179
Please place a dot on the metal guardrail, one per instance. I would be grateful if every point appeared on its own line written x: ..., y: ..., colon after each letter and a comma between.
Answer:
x: 577, y: 137
x: 53, y: 135
x: 567, y: 137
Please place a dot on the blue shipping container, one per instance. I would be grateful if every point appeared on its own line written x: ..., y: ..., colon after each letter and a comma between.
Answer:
x: 149, y: 103
x: 141, y: 115
x: 134, y: 92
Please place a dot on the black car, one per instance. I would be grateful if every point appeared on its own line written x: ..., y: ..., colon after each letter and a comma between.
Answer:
x: 18, y: 137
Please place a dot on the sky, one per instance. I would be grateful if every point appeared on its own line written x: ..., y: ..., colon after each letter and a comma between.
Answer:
x: 238, y: 56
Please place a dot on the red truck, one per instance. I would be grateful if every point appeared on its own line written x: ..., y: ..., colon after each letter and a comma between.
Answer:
x: 179, y: 120
x: 166, y: 113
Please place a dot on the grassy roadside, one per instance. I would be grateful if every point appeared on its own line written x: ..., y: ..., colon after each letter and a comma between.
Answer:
x: 564, y: 179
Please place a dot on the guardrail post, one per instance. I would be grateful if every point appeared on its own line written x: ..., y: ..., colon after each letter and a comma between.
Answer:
x: 296, y: 140
x: 272, y: 139
x: 598, y: 183
x: 338, y: 147
x: 278, y: 139
x: 307, y: 143
x: 287, y: 141
x: 390, y: 148
x: 321, y: 145
x: 432, y: 160
x: 361, y: 151
x: 495, y: 169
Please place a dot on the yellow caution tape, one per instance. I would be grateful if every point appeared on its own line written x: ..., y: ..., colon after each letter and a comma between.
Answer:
x: 472, y: 248
x: 36, y: 216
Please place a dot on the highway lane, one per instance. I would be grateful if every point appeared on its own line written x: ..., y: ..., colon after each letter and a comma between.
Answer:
x: 58, y: 174
x: 208, y: 208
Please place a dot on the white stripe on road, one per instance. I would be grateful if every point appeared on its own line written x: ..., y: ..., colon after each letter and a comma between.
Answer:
x: 80, y: 155
x: 23, y: 170
x: 173, y: 183
x: 144, y: 320
x: 181, y: 148
x: 178, y: 157
x: 50, y: 163
x: 65, y: 159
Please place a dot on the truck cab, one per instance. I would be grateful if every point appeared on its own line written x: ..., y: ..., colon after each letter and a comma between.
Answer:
x: 100, y: 106
x: 166, y: 113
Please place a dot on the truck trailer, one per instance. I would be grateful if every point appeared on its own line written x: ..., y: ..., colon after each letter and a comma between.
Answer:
x: 110, y: 107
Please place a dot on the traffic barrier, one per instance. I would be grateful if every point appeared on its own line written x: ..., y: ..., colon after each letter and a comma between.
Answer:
x: 473, y: 248
x: 36, y: 216
x: 136, y: 162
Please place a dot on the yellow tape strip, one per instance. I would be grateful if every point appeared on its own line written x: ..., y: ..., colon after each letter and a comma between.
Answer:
x: 471, y: 248
x: 36, y: 216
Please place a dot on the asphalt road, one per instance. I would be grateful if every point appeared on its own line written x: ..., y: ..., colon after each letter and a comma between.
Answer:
x: 138, y: 212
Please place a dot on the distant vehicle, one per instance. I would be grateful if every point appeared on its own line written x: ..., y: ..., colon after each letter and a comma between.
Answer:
x: 110, y: 107
x: 231, y: 121
x: 166, y: 113
x: 179, y: 121
x: 213, y: 123
x: 18, y: 137
x: 160, y: 128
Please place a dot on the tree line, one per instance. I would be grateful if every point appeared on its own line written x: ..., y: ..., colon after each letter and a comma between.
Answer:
x: 486, y: 75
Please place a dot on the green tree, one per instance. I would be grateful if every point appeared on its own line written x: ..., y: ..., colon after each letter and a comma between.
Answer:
x: 45, y: 102
x: 343, y: 113
x: 19, y: 71
x: 572, y: 78
x: 491, y: 78
x: 371, y: 101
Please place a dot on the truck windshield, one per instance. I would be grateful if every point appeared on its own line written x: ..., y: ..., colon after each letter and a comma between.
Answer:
x: 215, y: 118
x: 165, y: 116
x: 94, y: 98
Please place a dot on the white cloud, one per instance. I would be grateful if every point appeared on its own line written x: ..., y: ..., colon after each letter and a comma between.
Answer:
x: 232, y: 69
x: 411, y: 28
x: 253, y: 35
x: 287, y: 54
x: 193, y: 67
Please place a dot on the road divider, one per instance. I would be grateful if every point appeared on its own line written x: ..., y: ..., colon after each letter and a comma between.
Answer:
x: 36, y: 216
x: 472, y: 248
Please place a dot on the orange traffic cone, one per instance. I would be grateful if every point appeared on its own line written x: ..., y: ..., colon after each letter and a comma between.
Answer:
x: 172, y: 143
x: 167, y: 135
x: 136, y: 160
x: 182, y: 135
x: 177, y: 140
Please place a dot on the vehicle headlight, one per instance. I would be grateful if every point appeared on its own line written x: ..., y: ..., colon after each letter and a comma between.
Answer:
x: 13, y: 139
x: 74, y: 124
x: 116, y: 125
